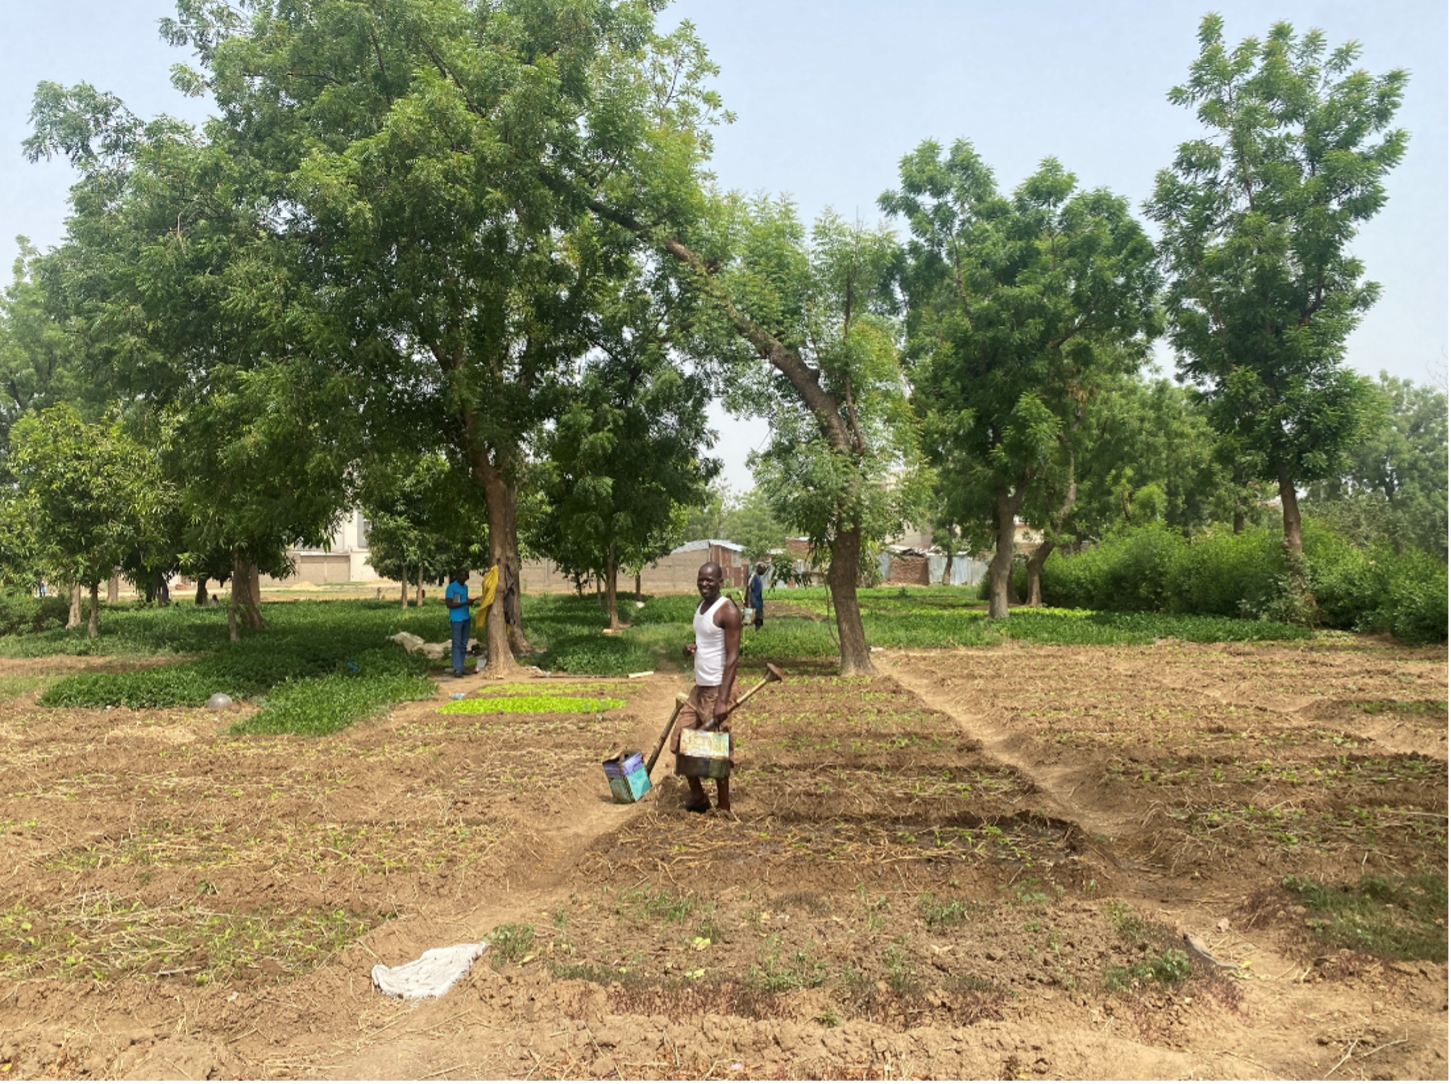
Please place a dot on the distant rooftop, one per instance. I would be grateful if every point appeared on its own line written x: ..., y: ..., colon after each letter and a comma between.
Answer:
x: 705, y: 544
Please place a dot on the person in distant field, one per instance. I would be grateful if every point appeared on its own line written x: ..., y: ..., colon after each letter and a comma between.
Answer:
x: 756, y: 596
x: 717, y: 652
x: 458, y: 602
x: 213, y: 602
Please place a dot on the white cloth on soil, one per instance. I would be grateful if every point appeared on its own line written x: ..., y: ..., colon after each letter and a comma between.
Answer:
x: 410, y: 643
x: 431, y: 975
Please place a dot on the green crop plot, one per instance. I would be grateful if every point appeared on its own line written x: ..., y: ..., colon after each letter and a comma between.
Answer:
x: 529, y: 705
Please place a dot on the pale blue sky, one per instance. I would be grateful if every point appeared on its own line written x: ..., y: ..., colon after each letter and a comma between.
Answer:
x: 831, y: 93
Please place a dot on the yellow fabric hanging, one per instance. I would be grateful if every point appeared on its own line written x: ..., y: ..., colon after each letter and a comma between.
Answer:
x: 486, y: 601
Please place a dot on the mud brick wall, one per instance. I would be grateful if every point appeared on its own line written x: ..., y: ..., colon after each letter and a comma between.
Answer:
x: 908, y: 570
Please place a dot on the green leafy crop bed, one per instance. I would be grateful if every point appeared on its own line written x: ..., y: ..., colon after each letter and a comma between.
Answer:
x: 319, y: 666
x: 529, y: 705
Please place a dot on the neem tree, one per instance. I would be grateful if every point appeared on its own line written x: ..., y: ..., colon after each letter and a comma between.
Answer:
x: 419, y: 150
x: 1258, y: 217
x: 1019, y: 308
x: 624, y: 459
x: 89, y: 492
x: 196, y: 317
x: 846, y: 471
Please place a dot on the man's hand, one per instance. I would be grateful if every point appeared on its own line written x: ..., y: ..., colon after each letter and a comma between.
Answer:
x: 722, y: 709
x: 689, y: 650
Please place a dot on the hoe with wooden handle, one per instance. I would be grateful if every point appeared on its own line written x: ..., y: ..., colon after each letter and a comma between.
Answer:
x: 773, y: 674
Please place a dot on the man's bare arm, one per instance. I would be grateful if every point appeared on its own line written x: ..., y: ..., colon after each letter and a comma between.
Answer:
x: 728, y: 619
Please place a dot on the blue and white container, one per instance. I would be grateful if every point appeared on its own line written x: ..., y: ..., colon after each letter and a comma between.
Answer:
x: 627, y: 777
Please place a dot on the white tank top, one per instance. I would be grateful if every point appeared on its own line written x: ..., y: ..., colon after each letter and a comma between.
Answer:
x: 710, y: 645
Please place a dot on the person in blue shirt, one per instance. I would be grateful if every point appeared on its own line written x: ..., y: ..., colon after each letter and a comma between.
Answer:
x: 757, y: 594
x: 458, y: 602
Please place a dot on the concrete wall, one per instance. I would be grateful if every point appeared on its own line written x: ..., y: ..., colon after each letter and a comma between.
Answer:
x: 318, y: 568
x: 673, y: 574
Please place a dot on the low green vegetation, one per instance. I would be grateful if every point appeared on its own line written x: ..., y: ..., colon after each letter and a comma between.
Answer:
x: 510, y: 944
x: 1219, y: 574
x: 323, y: 664
x: 104, y: 937
x: 319, y: 667
x: 1402, y: 918
x: 21, y: 613
x: 529, y: 705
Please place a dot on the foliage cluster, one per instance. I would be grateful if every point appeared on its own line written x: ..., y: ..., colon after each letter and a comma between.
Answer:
x: 24, y: 613
x: 1153, y: 569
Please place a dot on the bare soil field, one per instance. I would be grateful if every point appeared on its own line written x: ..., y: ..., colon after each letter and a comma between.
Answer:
x: 1020, y: 862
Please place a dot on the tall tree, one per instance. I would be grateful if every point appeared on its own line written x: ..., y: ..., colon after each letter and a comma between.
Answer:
x: 1019, y: 307
x: 196, y: 316
x: 90, y: 492
x: 842, y: 464
x: 626, y: 457
x: 426, y: 518
x: 616, y: 473
x: 37, y: 355
x: 1257, y: 220
x: 414, y: 150
x: 1395, y: 488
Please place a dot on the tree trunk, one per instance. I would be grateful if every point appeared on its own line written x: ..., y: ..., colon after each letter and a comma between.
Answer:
x: 94, y: 628
x: 245, y: 595
x: 201, y: 590
x: 1000, y: 569
x: 74, y: 620
x: 1055, y: 524
x: 418, y: 587
x: 234, y: 633
x: 841, y: 579
x: 612, y: 581
x: 638, y: 596
x: 1294, y: 543
x: 1239, y: 521
x: 1035, y: 572
x: 113, y: 589
x: 506, y: 618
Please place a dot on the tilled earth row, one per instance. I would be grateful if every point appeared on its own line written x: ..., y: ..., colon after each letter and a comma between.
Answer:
x: 984, y: 865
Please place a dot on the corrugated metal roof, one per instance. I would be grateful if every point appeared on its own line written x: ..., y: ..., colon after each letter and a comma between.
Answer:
x: 705, y: 544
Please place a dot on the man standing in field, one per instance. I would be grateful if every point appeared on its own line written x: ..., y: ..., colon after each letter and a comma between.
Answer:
x: 458, y: 602
x: 717, y: 651
x: 756, y: 594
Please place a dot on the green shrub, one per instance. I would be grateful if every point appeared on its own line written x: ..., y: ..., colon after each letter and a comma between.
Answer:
x: 1131, y: 569
x: 22, y: 614
x: 1412, y: 590
x: 1223, y: 574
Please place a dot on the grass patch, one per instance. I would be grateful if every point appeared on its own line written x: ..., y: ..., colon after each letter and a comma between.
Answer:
x: 1402, y: 918
x: 19, y: 685
x: 940, y: 914
x: 102, y: 937
x: 327, y: 705
x: 529, y: 705
x: 936, y: 617
x: 318, y: 667
x: 510, y: 945
x: 1170, y: 967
